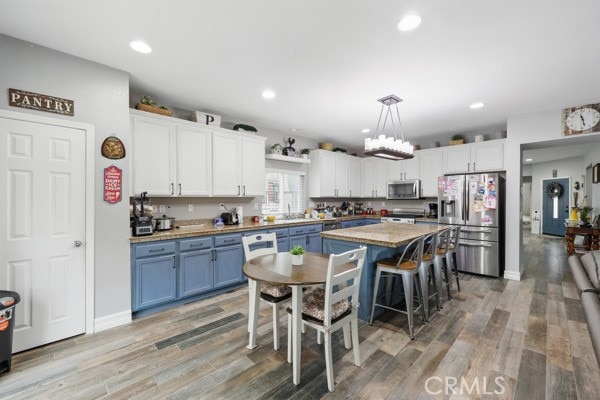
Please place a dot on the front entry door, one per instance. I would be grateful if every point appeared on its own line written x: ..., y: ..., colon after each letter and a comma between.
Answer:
x: 556, y: 208
x: 42, y: 229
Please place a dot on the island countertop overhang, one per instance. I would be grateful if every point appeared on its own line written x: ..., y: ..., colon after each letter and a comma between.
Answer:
x: 385, y: 234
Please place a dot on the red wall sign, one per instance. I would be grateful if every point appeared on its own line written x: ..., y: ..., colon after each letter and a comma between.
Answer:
x: 113, y: 180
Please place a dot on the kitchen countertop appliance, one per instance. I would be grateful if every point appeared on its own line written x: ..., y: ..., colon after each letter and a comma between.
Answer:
x: 164, y: 223
x: 433, y: 210
x: 476, y: 203
x: 230, y: 218
x: 142, y: 220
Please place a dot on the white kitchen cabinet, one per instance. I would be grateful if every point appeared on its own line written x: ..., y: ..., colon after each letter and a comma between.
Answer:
x: 329, y: 174
x: 238, y: 163
x: 403, y: 170
x: 475, y: 157
x: 170, y: 159
x: 151, y: 159
x: 193, y: 161
x: 354, y: 177
x: 374, y: 177
x: 430, y: 169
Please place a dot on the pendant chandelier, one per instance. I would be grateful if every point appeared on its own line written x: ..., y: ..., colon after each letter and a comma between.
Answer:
x: 390, y: 147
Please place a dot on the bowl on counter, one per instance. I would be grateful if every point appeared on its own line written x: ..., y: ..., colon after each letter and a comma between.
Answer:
x: 271, y: 218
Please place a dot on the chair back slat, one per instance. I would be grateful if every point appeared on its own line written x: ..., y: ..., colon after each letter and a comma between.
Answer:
x: 260, y: 238
x: 413, y: 251
x: 443, y: 240
x: 344, y: 285
x: 454, y: 237
x: 430, y: 244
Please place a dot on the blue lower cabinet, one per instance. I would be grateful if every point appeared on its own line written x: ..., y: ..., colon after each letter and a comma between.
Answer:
x: 360, y: 222
x: 168, y: 273
x: 196, y: 272
x: 370, y: 221
x: 307, y: 236
x: 228, y: 263
x: 154, y: 274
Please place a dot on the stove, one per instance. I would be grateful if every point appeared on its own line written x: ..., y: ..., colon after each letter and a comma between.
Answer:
x: 398, y: 220
x: 404, y: 216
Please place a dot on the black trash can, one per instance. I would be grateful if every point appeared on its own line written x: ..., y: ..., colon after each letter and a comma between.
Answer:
x: 8, y: 301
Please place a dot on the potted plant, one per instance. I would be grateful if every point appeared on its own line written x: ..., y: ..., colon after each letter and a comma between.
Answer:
x: 297, y: 255
x: 305, y: 153
x: 244, y: 128
x: 456, y: 139
x: 276, y: 149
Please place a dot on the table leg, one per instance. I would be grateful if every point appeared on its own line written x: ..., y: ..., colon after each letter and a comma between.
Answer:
x: 296, y: 334
x: 254, y: 294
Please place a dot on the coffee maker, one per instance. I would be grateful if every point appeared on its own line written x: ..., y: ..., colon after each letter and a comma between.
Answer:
x: 433, y: 210
x: 142, y: 221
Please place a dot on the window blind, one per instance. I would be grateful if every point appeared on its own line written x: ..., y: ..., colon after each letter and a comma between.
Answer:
x: 283, y: 188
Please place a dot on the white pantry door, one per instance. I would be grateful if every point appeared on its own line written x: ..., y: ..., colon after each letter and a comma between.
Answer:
x: 42, y: 229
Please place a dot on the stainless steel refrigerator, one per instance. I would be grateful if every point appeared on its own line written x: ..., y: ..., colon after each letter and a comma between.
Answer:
x: 476, y: 203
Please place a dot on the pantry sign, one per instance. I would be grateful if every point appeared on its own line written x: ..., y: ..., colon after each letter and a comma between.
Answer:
x: 113, y: 179
x: 40, y: 102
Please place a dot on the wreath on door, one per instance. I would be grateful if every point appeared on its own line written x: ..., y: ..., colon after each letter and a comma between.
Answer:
x: 554, y: 189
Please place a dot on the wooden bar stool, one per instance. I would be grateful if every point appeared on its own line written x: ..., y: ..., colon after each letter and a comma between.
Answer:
x: 407, y: 267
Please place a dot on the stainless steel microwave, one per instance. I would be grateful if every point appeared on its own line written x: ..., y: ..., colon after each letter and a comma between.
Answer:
x: 404, y: 190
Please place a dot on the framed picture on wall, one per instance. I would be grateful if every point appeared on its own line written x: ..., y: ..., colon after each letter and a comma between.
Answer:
x: 596, y: 173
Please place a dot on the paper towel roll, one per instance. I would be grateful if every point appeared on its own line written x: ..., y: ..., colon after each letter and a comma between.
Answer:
x: 240, y: 212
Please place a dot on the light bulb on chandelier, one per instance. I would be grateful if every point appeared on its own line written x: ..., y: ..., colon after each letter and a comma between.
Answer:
x: 389, y: 147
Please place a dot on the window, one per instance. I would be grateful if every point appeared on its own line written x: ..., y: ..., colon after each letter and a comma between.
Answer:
x: 283, y: 189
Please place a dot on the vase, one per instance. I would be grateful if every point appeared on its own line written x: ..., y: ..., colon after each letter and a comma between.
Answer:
x: 297, y: 259
x: 574, y: 214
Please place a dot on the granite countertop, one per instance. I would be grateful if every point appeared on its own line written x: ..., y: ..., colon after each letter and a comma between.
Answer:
x: 388, y: 235
x: 206, y: 228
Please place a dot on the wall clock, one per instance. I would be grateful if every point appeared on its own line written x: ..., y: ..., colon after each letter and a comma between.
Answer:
x: 581, y: 119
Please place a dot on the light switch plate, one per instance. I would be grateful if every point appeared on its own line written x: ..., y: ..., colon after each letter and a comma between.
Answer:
x: 190, y: 207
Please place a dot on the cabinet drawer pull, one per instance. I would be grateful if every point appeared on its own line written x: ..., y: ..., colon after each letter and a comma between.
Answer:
x: 180, y: 189
x: 197, y: 245
x: 244, y: 190
x: 172, y: 188
x: 229, y: 240
x: 156, y: 250
x: 239, y: 191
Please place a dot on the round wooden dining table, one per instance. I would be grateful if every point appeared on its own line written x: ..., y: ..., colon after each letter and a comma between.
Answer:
x: 278, y: 269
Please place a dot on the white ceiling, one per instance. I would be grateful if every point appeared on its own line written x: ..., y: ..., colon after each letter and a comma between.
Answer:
x: 329, y: 61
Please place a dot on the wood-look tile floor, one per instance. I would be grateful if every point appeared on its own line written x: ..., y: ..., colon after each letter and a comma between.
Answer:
x: 496, y: 339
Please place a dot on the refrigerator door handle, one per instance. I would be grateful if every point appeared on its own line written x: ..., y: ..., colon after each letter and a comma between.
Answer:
x: 466, y: 201
x: 460, y: 243
x: 476, y: 230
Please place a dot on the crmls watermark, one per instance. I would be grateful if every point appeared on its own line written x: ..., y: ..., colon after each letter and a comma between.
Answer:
x: 451, y: 385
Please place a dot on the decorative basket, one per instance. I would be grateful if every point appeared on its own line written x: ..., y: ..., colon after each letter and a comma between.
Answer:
x: 454, y: 142
x: 153, y: 109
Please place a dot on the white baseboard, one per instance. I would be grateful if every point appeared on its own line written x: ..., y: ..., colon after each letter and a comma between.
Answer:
x: 512, y: 275
x: 110, y: 321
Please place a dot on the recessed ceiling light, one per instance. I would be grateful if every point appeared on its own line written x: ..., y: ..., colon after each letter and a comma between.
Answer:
x: 140, y: 47
x: 409, y: 23
x: 294, y: 129
x: 366, y: 130
x: 528, y: 159
x: 477, y: 105
x: 267, y: 94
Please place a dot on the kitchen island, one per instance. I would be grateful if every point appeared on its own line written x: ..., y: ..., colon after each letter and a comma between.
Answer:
x: 382, y: 241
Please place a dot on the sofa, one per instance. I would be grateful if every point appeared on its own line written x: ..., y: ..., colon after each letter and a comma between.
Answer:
x: 586, y: 273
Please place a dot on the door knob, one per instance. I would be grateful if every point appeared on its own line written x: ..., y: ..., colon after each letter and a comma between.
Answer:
x: 78, y: 243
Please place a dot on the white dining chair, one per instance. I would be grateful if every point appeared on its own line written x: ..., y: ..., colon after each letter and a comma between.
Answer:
x: 334, y: 307
x: 259, y: 245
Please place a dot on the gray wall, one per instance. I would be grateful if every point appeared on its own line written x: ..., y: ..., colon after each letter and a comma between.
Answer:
x: 101, y: 96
